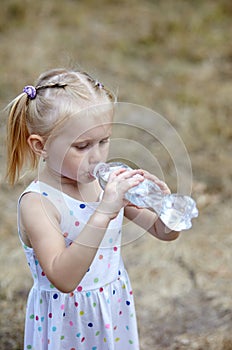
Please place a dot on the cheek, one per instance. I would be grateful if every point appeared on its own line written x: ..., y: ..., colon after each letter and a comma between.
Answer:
x: 74, y: 163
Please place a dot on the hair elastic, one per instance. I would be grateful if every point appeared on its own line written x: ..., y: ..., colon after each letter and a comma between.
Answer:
x: 30, y: 91
x: 99, y: 85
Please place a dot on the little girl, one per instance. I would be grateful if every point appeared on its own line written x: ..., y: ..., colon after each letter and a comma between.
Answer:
x: 69, y: 228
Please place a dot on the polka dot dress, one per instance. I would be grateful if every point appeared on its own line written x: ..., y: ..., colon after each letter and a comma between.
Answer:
x: 99, y: 314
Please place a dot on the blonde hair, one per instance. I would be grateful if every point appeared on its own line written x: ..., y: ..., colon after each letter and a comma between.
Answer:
x: 59, y: 93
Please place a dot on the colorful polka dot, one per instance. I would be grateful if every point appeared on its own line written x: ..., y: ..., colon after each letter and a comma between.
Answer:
x: 100, y: 272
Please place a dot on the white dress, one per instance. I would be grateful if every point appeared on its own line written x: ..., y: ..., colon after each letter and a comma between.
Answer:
x: 99, y: 314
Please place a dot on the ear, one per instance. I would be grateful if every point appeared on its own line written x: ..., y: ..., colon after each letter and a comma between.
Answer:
x: 37, y: 142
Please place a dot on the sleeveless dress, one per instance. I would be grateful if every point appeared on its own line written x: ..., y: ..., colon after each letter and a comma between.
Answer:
x: 99, y: 314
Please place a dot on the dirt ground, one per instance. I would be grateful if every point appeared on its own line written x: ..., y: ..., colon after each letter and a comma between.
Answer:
x: 176, y: 59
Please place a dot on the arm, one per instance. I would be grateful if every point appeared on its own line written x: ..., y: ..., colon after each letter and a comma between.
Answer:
x: 148, y: 219
x: 150, y: 222
x: 66, y: 266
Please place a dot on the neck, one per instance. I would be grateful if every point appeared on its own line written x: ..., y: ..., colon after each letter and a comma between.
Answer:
x: 87, y: 192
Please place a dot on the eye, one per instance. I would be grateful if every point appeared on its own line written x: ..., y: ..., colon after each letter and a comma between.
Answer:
x: 106, y: 140
x: 82, y: 146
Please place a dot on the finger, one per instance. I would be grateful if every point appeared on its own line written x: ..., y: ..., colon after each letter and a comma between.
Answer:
x: 131, y: 174
x: 162, y: 185
x: 150, y: 176
x: 116, y: 173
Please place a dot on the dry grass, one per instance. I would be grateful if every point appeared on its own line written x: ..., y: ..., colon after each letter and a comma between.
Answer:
x: 174, y: 57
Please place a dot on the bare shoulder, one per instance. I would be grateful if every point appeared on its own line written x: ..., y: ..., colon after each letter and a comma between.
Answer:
x: 35, y: 211
x: 32, y: 203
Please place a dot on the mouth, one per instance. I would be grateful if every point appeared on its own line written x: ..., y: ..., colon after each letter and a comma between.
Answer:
x: 91, y: 171
x: 90, y: 175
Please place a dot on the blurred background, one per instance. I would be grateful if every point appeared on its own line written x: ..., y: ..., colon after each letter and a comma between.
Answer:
x: 174, y: 57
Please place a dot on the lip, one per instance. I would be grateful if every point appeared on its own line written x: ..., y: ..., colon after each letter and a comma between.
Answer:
x: 90, y: 175
x: 91, y: 171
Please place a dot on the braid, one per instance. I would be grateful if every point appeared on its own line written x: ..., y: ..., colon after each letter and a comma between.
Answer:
x: 51, y: 85
x: 97, y: 85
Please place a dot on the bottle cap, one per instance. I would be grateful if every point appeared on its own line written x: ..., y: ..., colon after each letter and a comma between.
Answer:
x: 97, y: 168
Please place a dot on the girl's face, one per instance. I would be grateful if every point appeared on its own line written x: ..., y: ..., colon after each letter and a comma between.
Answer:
x: 81, y: 143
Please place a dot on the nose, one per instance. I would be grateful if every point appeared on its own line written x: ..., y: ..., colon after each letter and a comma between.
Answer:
x: 95, y: 155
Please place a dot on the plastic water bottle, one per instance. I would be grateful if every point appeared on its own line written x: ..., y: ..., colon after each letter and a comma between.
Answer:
x: 175, y: 210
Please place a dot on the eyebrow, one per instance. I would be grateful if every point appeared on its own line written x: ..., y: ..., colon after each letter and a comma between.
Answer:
x: 90, y: 139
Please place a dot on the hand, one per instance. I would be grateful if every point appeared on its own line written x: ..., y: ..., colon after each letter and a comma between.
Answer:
x: 119, y: 182
x: 162, y: 185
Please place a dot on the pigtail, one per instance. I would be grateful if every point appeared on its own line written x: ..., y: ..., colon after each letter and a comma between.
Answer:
x: 18, y: 149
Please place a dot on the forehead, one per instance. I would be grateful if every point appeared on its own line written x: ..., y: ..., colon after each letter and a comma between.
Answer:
x: 87, y: 125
